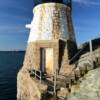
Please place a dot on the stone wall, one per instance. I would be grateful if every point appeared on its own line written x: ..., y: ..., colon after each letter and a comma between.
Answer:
x: 51, y: 21
x: 32, y: 57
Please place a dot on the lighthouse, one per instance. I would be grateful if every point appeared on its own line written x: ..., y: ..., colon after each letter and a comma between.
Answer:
x: 50, y: 48
x: 51, y: 40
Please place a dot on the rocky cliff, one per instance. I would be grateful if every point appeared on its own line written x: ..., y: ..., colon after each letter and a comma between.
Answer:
x: 28, y: 88
x: 84, y: 86
x: 89, y: 88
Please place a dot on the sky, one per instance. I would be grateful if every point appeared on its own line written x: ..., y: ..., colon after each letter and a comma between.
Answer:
x: 15, y: 14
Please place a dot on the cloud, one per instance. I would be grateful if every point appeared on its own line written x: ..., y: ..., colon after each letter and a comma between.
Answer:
x: 87, y: 2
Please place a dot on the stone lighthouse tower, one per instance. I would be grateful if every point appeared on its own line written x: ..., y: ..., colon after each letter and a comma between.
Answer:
x: 51, y: 43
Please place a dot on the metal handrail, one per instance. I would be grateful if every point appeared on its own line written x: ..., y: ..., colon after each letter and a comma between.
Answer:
x: 83, y: 48
x: 76, y: 55
x: 36, y: 75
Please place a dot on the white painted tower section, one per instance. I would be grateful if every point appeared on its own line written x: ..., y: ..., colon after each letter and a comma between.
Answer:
x: 41, y: 27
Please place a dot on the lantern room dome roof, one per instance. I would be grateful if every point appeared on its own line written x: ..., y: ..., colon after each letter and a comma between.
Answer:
x: 67, y: 2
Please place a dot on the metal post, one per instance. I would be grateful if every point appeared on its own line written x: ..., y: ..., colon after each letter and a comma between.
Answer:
x: 40, y: 76
x: 55, y: 83
x: 91, y: 52
x: 54, y: 96
x: 35, y: 73
x: 55, y: 79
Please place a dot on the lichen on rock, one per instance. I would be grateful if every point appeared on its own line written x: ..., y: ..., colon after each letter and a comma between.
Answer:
x: 89, y: 88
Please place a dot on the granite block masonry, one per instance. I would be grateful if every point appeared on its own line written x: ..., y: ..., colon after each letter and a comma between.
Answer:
x: 50, y: 47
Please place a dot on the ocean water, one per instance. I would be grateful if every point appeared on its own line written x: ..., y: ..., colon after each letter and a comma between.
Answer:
x: 10, y: 63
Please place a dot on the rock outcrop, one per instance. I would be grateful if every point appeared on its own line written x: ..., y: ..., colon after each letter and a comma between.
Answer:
x: 89, y: 88
x: 28, y: 88
x: 84, y: 82
x: 88, y: 85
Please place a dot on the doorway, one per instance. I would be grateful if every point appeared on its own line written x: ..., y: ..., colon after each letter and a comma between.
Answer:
x: 46, y: 60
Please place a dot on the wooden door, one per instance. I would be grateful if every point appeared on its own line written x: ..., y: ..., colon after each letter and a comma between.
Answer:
x: 49, y: 61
